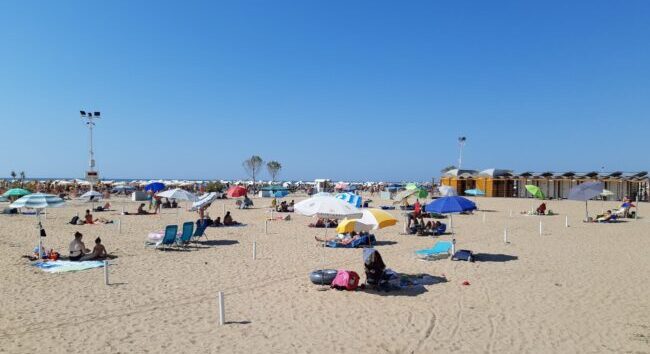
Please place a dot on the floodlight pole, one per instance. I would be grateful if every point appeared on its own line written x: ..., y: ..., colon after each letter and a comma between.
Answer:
x: 461, y: 143
x: 88, y: 118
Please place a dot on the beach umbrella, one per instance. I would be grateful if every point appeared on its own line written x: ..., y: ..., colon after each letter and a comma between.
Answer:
x: 322, y: 194
x: 410, y: 193
x: 38, y: 201
x: 474, y: 192
x: 3, y: 199
x: 236, y: 192
x: 350, y: 198
x: 606, y: 193
x: 178, y: 194
x: 377, y: 218
x: 91, y: 195
x: 347, y: 226
x: 154, y: 187
x: 447, y: 191
x: 16, y: 192
x: 586, y: 191
x: 327, y: 207
x: 450, y: 205
x: 411, y: 186
x: 535, y: 191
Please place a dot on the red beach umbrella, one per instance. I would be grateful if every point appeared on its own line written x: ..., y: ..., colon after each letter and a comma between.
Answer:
x: 236, y: 192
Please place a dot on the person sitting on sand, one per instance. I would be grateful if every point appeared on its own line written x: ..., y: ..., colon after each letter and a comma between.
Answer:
x: 217, y: 222
x: 320, y: 223
x: 541, y: 210
x: 274, y: 204
x: 140, y: 211
x: 228, y: 221
x: 174, y: 204
x: 290, y: 207
x: 99, y: 251
x: 77, y: 247
x: 167, y: 204
x: 88, y: 219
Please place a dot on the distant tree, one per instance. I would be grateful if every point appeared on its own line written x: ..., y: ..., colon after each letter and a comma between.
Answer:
x: 274, y: 168
x: 252, y: 166
x: 13, y: 174
x: 214, y: 187
x: 448, y: 168
x: 22, y: 178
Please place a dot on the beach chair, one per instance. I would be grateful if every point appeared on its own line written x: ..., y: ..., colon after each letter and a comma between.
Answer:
x: 441, y: 250
x: 186, y: 236
x: 200, y: 231
x: 169, y: 239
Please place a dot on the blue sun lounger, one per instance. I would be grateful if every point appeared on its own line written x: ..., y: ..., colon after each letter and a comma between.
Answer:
x: 442, y: 249
x: 363, y: 241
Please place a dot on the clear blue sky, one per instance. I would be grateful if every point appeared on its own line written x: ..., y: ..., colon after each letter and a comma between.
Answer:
x: 332, y: 89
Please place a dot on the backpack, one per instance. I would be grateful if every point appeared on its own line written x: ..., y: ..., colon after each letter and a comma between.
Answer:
x: 463, y: 255
x: 345, y: 280
x: 74, y: 220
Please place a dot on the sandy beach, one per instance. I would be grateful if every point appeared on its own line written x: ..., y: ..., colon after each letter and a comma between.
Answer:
x: 577, y: 289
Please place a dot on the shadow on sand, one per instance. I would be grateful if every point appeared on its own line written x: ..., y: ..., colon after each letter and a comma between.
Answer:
x: 499, y: 258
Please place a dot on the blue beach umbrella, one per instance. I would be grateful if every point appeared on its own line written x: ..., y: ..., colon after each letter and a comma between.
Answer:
x: 155, y: 187
x: 450, y: 205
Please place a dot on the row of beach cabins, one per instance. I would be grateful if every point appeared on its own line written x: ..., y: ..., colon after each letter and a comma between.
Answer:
x: 505, y: 183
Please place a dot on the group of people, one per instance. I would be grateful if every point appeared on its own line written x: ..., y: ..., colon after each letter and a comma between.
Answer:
x: 283, y: 207
x: 342, y: 239
x: 79, y: 252
x: 420, y: 228
x: 324, y: 223
x: 227, y: 221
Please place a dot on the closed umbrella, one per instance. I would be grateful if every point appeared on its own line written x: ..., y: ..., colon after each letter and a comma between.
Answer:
x: 586, y: 191
x: 38, y: 201
x: 204, y: 200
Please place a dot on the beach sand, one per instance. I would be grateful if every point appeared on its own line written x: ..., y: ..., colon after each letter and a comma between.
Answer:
x: 579, y: 289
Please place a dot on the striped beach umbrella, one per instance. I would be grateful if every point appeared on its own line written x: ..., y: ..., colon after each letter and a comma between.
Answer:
x: 350, y: 198
x: 347, y: 226
x: 38, y: 201
x: 377, y: 218
x: 179, y: 194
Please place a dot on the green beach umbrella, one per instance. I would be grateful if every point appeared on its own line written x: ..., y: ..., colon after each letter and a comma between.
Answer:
x: 535, y: 191
x: 16, y: 192
x: 411, y: 186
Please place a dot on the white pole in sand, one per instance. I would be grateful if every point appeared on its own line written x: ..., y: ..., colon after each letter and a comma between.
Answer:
x: 222, y: 311
x: 119, y: 226
x: 540, y: 227
x: 566, y: 221
x: 266, y: 227
x: 106, y: 273
x: 254, y: 250
x: 484, y: 217
x: 505, y: 235
x: 510, y: 212
x: 223, y: 208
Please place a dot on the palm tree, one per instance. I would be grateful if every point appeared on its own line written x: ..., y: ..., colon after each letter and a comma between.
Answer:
x: 22, y: 178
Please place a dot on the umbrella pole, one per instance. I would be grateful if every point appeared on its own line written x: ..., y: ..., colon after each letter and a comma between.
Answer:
x: 586, y: 210
x: 40, y: 242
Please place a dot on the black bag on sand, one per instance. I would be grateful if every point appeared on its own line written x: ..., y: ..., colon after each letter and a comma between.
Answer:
x: 74, y: 220
x: 463, y: 255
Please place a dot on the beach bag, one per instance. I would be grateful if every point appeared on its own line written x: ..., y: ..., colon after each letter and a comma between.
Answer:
x: 345, y: 280
x: 74, y: 220
x: 463, y: 255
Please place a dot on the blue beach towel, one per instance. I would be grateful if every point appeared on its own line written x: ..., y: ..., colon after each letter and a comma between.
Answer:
x: 360, y: 242
x: 67, y: 266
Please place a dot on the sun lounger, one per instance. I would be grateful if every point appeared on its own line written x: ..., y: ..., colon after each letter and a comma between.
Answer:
x: 186, y: 236
x: 440, y: 250
x: 169, y: 239
x: 200, y: 231
x: 363, y: 241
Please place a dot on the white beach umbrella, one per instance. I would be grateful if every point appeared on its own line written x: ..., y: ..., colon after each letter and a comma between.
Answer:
x: 38, y: 201
x: 327, y: 207
x: 91, y: 195
x: 178, y: 194
x: 447, y: 191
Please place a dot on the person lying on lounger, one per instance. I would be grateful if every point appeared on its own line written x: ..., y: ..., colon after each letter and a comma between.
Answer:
x: 343, y: 239
x: 77, y: 247
x: 605, y: 217
x: 99, y: 252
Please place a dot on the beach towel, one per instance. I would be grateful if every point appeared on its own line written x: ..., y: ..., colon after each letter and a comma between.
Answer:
x: 363, y: 241
x: 67, y: 266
